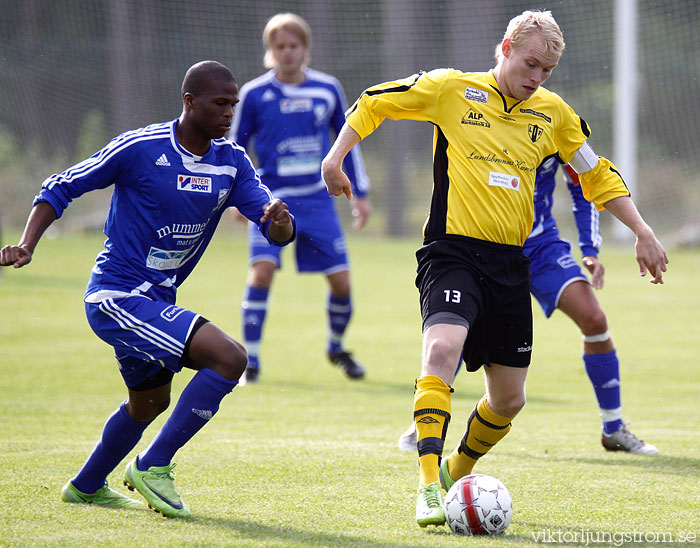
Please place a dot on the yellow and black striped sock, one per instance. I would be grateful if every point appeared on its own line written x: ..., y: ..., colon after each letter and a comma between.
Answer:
x: 485, y: 428
x: 431, y: 411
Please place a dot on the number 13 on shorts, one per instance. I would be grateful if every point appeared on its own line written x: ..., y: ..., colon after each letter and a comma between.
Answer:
x: 453, y: 296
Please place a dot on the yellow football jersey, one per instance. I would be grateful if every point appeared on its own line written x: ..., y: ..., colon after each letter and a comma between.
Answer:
x: 486, y: 149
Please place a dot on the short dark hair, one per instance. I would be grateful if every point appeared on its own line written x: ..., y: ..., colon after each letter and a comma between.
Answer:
x: 199, y: 76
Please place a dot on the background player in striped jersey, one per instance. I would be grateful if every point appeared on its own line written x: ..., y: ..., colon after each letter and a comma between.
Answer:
x: 492, y: 130
x: 172, y: 182
x: 557, y: 281
x: 289, y: 113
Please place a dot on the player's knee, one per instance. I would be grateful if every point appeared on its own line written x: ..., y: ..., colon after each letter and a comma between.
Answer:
x: 261, y: 274
x: 160, y: 406
x: 340, y: 286
x: 441, y: 359
x: 148, y: 409
x: 232, y: 360
x: 594, y: 322
x: 440, y: 353
x: 508, y: 405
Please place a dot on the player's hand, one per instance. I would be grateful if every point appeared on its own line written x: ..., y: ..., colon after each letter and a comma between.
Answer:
x: 597, y: 270
x: 336, y: 181
x: 15, y: 255
x: 651, y: 257
x: 361, y: 209
x: 277, y: 212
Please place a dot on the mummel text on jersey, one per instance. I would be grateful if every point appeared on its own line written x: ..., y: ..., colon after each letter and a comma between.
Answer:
x: 177, y: 199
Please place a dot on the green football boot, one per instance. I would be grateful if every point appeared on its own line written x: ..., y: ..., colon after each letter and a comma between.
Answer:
x: 157, y: 486
x: 446, y: 480
x: 104, y: 496
x: 429, y: 508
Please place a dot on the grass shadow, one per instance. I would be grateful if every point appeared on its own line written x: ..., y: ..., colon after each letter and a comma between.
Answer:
x: 262, y: 534
x: 667, y: 464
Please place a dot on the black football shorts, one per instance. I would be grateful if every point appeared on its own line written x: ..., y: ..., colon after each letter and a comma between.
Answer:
x: 487, y: 285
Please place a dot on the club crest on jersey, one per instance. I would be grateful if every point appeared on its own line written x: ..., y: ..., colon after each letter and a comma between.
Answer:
x: 474, y: 118
x: 473, y: 94
x: 296, y: 104
x: 190, y: 183
x: 535, y: 132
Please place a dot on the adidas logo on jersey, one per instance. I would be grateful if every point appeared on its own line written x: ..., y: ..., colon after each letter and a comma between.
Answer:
x: 162, y: 161
x: 269, y: 95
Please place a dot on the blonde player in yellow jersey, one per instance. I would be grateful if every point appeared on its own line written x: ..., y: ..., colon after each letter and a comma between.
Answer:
x: 492, y: 131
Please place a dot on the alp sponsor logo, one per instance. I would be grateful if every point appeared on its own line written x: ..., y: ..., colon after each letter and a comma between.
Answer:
x: 473, y: 94
x: 535, y: 132
x: 474, y: 118
x: 190, y: 183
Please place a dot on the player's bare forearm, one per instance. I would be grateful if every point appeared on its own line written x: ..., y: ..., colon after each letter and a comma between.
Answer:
x: 332, y: 166
x: 41, y: 216
x: 650, y: 254
x: 281, y: 226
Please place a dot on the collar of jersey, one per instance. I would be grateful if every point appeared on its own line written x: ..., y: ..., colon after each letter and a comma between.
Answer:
x: 508, y: 102
x: 178, y: 147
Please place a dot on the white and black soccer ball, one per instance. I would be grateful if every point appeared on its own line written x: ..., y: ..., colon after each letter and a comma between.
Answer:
x: 478, y: 505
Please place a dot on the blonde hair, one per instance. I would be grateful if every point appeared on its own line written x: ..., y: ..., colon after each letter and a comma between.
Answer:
x: 521, y: 27
x: 291, y: 23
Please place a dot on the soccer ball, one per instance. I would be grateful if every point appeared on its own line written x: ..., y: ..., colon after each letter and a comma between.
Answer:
x: 478, y: 505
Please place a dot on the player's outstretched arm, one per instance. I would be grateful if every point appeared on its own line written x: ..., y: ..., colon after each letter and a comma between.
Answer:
x: 41, y: 216
x: 332, y: 166
x: 649, y: 252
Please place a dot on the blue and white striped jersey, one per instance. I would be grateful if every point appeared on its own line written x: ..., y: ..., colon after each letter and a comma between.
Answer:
x: 290, y: 127
x: 166, y: 204
x: 585, y: 214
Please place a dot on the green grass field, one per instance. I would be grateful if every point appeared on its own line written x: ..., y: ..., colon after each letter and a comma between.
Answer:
x: 307, y: 458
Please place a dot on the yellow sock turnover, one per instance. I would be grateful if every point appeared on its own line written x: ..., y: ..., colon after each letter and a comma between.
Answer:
x: 485, y: 428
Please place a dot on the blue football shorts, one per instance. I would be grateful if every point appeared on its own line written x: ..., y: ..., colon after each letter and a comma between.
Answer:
x: 146, y: 335
x: 552, y: 269
x: 320, y: 244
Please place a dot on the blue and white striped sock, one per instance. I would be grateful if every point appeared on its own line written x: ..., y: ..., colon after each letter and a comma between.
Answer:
x: 604, y: 372
x: 253, y: 313
x: 339, y: 313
